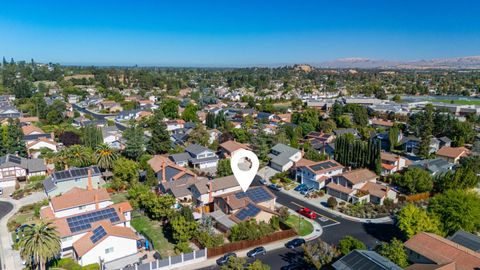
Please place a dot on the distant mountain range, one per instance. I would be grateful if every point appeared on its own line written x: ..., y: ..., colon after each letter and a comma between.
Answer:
x: 469, y: 62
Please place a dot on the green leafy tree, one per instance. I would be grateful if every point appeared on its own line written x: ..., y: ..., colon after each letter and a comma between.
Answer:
x: 105, y: 156
x: 457, y: 209
x: 395, y: 252
x: 12, y: 139
x: 393, y: 134
x: 125, y: 172
x: 182, y: 229
x: 224, y: 168
x: 412, y: 220
x: 415, y: 180
x: 258, y: 265
x: 39, y: 244
x: 199, y: 135
x: 170, y: 108
x: 190, y: 113
x: 318, y: 253
x: 234, y: 263
x: 349, y: 243
x: 461, y: 178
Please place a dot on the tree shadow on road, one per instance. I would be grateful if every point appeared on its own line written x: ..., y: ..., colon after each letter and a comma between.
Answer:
x: 383, y: 232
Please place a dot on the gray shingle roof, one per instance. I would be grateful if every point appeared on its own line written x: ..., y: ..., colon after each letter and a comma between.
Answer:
x: 281, y: 153
x: 49, y: 185
x: 179, y: 157
x: 32, y: 165
x: 467, y: 240
x: 364, y: 260
x: 196, y: 149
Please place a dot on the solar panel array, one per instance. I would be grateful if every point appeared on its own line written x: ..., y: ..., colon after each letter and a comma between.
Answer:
x: 75, y: 173
x: 255, y: 194
x: 466, y: 242
x: 84, y: 222
x: 98, y: 234
x: 14, y: 159
x: 250, y: 211
x: 323, y: 165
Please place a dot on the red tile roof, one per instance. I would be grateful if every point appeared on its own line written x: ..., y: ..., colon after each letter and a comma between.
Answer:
x: 453, y: 152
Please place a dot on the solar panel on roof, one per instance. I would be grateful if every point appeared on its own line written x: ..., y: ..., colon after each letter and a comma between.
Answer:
x: 98, y: 234
x: 255, y: 194
x: 249, y: 211
x: 83, y: 222
x: 14, y: 159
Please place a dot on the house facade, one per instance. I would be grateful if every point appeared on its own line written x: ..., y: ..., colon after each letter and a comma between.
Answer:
x: 283, y: 157
x: 63, y: 181
x: 316, y: 174
x: 14, y: 168
x: 201, y: 157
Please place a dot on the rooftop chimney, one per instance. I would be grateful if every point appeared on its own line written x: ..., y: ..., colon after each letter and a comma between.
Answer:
x: 89, y: 186
x: 95, y: 198
x: 163, y: 171
x: 210, y: 191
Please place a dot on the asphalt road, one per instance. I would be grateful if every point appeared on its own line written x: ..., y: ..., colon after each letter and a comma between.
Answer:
x: 334, y: 229
x: 5, y: 208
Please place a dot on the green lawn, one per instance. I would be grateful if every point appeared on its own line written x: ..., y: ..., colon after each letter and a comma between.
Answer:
x: 153, y: 231
x: 461, y: 102
x: 304, y: 228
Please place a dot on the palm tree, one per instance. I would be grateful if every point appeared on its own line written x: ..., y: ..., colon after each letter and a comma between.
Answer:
x: 79, y: 156
x: 105, y: 156
x: 39, y: 244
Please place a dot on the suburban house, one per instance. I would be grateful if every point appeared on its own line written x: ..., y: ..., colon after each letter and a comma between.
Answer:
x: 360, y: 185
x: 180, y: 159
x: 174, y: 124
x: 110, y: 106
x: 364, y: 259
x: 91, y: 228
x: 452, y: 154
x: 392, y: 163
x: 201, y: 157
x: 320, y: 137
x: 9, y: 111
x: 205, y: 190
x: 435, y: 252
x: 380, y: 123
x: 316, y: 174
x: 14, y: 168
x: 433, y: 166
x: 343, y: 131
x: 112, y: 137
x: 167, y: 171
x: 256, y: 203
x: 34, y: 147
x: 63, y: 181
x: 412, y: 144
x: 445, y: 141
x: 466, y: 239
x: 228, y: 148
x: 283, y: 157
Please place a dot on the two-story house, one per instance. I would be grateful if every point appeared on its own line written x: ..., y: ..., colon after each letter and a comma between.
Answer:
x: 14, y: 168
x: 91, y: 228
x: 228, y: 148
x: 112, y: 137
x: 201, y: 157
x: 360, y: 185
x: 63, y: 181
x: 204, y: 190
x: 283, y: 157
x: 316, y: 174
x: 392, y: 163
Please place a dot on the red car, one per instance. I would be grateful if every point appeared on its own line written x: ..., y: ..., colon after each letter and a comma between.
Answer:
x: 307, y: 212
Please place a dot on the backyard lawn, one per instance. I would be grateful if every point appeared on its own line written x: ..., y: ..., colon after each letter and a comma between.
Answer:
x: 153, y: 230
x: 303, y: 228
x: 119, y: 197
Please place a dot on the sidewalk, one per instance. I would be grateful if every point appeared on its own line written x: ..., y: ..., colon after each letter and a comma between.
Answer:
x: 11, y: 258
x: 317, y: 232
x: 316, y: 202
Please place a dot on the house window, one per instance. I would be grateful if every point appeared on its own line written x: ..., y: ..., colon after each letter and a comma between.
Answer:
x: 109, y: 250
x: 77, y: 179
x: 82, y: 207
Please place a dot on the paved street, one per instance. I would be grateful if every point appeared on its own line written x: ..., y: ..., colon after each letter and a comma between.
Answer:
x: 5, y: 208
x: 334, y: 229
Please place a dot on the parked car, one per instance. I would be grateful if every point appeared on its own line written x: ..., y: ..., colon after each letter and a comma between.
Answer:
x: 300, y: 187
x: 256, y: 251
x: 306, y: 191
x: 274, y: 187
x: 297, y: 242
x: 307, y: 212
x: 1, y: 191
x: 263, y: 181
x: 224, y: 259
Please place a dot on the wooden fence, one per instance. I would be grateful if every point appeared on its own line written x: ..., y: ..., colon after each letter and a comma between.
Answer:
x: 230, y: 247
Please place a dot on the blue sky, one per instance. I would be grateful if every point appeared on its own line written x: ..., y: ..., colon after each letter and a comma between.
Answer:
x: 236, y: 33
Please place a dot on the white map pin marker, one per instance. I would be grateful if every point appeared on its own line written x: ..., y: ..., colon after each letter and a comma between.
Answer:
x: 244, y: 178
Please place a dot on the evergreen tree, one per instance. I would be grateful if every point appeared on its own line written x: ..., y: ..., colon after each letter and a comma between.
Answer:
x: 92, y: 136
x: 135, y: 143
x: 160, y: 142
